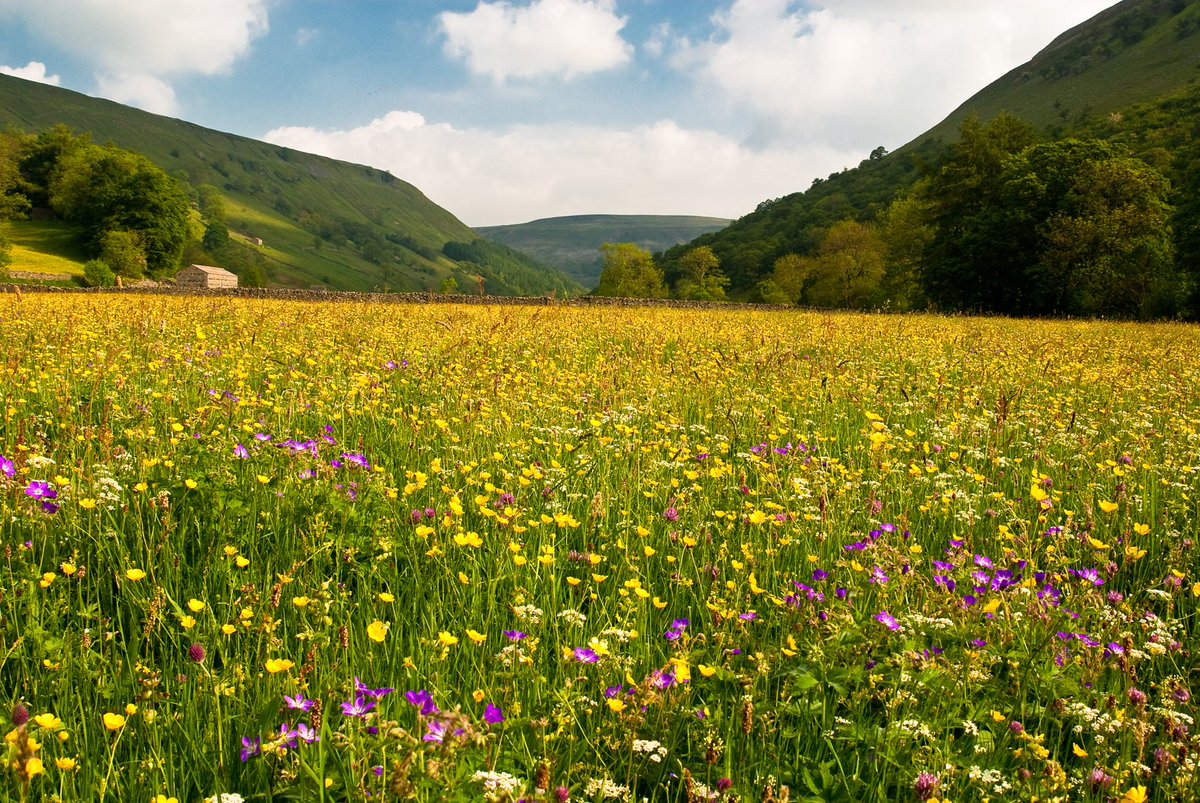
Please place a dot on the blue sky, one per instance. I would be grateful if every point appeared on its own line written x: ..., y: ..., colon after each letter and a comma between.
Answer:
x: 504, y: 111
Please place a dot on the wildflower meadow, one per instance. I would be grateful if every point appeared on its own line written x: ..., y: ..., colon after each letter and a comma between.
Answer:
x: 262, y: 550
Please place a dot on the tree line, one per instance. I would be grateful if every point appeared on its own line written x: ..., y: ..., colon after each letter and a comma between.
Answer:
x: 132, y: 219
x: 999, y: 222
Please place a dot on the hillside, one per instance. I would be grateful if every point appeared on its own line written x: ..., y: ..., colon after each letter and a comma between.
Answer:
x: 572, y: 243
x: 1137, y: 53
x: 323, y: 222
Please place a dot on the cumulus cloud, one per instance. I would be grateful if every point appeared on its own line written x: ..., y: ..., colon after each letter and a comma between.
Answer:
x: 139, y: 89
x: 528, y: 172
x: 135, y: 46
x: 866, y: 72
x: 546, y: 37
x: 33, y: 71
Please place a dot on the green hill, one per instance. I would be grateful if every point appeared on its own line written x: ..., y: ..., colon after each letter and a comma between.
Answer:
x: 322, y: 222
x: 572, y: 243
x: 1131, y: 73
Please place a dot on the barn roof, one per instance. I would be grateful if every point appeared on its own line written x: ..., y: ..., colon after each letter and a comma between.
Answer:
x: 211, y: 271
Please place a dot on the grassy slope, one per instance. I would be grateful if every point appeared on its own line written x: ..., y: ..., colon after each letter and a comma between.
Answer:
x: 572, y: 243
x: 1090, y: 72
x: 1073, y: 84
x: 43, y: 248
x: 289, y: 198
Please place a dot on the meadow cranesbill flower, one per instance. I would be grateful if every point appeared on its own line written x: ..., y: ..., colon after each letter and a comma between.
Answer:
x: 240, y: 452
x: 436, y: 731
x: 492, y: 715
x: 887, y: 620
x: 306, y: 734
x: 585, y: 656
x: 251, y: 747
x: 39, y: 490
x: 364, y: 689
x: 287, y: 737
x: 7, y: 468
x: 423, y: 701
x: 298, y: 703
x: 358, y: 707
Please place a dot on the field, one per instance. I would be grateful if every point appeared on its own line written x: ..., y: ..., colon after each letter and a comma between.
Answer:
x: 284, y: 551
x: 43, y: 247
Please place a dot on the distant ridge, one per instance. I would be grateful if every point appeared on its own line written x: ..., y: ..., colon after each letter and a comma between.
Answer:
x: 572, y: 243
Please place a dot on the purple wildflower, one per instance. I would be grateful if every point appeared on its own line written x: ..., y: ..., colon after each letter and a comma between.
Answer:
x: 515, y: 635
x: 364, y: 689
x: 240, y: 452
x: 358, y: 707
x: 298, y: 703
x: 250, y: 748
x: 671, y: 514
x: 887, y: 620
x: 307, y: 734
x: 7, y: 468
x: 585, y: 656
x: 492, y: 715
x: 423, y: 700
x: 40, y: 490
x: 436, y: 732
x: 288, y: 737
x: 355, y: 459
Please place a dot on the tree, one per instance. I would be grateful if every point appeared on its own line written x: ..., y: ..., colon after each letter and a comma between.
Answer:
x: 790, y: 275
x: 123, y: 252
x: 13, y: 203
x: 211, y: 203
x: 1101, y: 220
x: 848, y: 267
x: 964, y: 267
x: 102, y: 189
x: 97, y: 273
x: 449, y: 286
x: 769, y: 293
x: 701, y: 278
x: 40, y: 157
x: 629, y: 272
x: 906, y: 232
x: 216, y: 237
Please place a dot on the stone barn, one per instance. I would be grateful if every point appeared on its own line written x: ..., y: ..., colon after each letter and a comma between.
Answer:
x: 206, y: 277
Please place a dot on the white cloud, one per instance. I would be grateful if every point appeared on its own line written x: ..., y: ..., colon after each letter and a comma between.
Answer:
x: 33, y: 71
x: 134, y: 46
x: 141, y: 90
x: 528, y: 172
x: 867, y: 72
x: 546, y: 37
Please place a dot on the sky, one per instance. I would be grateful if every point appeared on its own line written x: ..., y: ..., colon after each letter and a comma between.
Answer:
x: 505, y: 111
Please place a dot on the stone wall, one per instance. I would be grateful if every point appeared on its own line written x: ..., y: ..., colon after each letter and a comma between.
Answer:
x: 394, y: 298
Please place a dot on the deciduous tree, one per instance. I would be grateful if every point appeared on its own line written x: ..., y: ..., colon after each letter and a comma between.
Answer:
x: 104, y: 189
x: 629, y: 272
